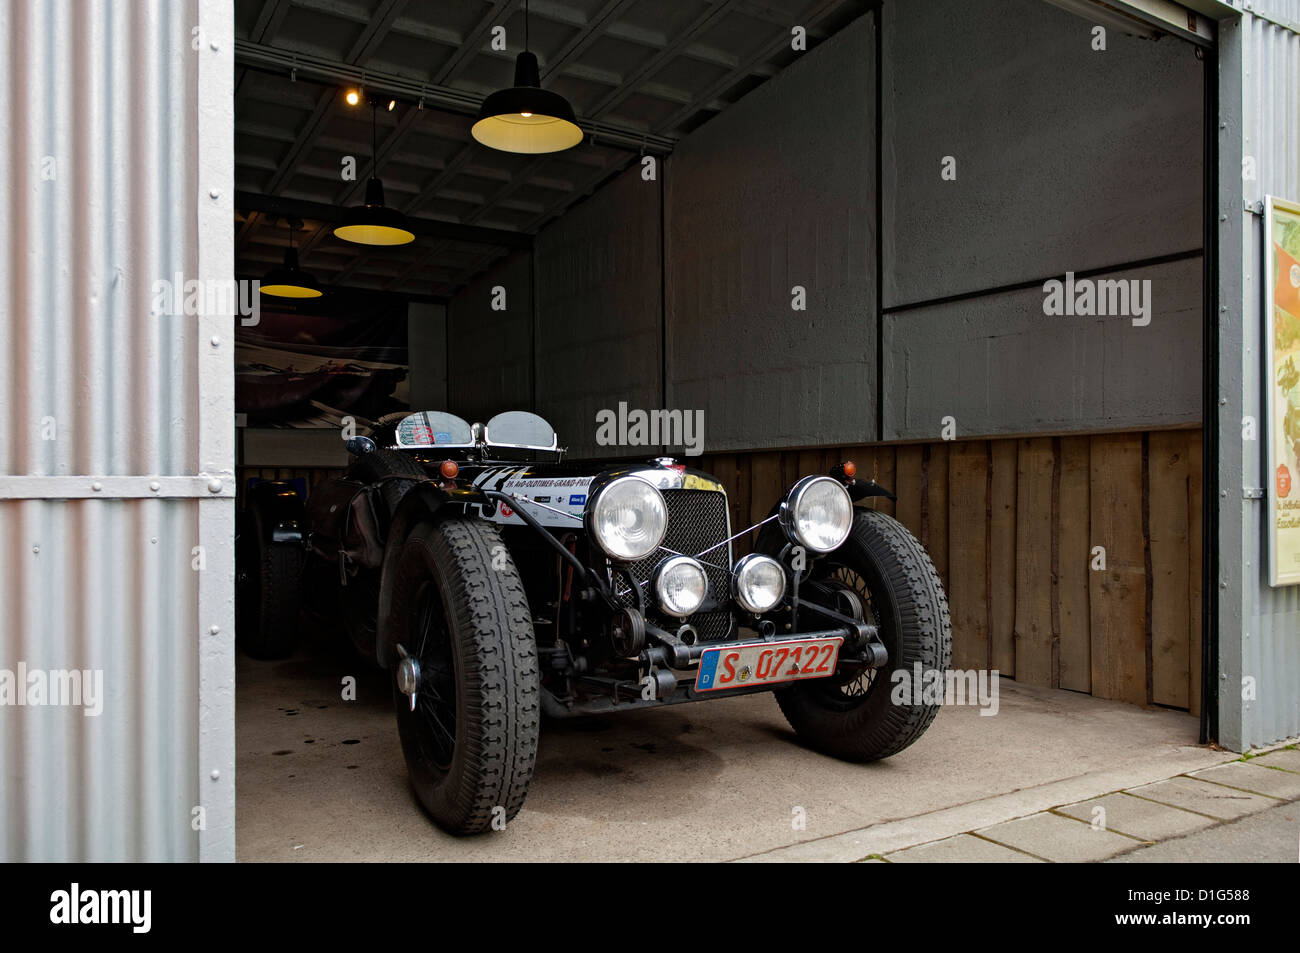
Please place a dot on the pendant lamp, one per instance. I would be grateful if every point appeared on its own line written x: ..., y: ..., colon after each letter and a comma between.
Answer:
x: 290, y: 281
x: 374, y: 223
x: 526, y: 118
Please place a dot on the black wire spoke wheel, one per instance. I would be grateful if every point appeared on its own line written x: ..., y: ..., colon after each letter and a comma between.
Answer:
x: 850, y: 684
x: 854, y: 714
x: 462, y: 620
x: 435, y: 706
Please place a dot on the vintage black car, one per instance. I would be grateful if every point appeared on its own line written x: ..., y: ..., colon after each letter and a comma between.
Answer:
x: 497, y: 583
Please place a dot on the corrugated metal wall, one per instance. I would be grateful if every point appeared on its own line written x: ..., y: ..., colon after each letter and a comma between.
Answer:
x: 105, y: 188
x: 1269, y: 647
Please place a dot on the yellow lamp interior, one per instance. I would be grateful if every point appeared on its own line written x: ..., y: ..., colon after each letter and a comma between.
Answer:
x: 290, y: 291
x: 531, y: 133
x: 374, y: 234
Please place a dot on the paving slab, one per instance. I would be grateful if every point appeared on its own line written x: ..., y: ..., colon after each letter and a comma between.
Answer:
x: 1288, y: 759
x: 1254, y: 777
x: 962, y: 849
x: 1137, y: 817
x: 1268, y: 837
x: 1059, y: 839
x: 1204, y: 797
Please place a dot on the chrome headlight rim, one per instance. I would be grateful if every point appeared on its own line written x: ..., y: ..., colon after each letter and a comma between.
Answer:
x: 746, y: 564
x: 591, y: 520
x: 790, y: 505
x: 657, y: 578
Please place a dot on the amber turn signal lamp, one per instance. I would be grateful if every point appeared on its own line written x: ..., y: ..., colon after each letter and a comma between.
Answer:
x: 850, y: 469
x: 450, y: 469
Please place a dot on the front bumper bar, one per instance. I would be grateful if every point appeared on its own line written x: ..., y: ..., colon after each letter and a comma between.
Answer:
x: 862, y: 645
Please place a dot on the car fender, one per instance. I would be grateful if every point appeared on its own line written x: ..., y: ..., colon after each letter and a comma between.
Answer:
x: 422, y: 502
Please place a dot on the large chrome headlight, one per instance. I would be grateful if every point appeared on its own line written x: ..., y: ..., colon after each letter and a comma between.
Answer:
x: 628, y: 518
x: 681, y: 585
x: 759, y: 583
x: 818, y: 514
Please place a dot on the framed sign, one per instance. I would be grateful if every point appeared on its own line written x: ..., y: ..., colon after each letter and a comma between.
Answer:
x: 1282, y: 406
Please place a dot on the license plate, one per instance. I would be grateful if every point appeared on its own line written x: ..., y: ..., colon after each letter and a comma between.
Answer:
x: 766, y: 663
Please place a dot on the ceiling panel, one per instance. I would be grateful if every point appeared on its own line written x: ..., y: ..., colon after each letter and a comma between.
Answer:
x: 640, y: 74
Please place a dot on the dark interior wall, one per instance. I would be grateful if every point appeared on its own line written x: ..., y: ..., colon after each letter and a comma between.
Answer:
x: 778, y: 192
x: 1067, y: 159
x: 996, y: 364
x: 489, y: 351
x: 600, y: 309
x: 426, y: 343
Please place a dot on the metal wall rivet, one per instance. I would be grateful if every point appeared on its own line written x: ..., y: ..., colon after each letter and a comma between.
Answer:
x: 96, y: 486
x: 214, y: 486
x: 215, y: 774
x: 155, y: 486
x: 216, y: 341
x: 214, y: 630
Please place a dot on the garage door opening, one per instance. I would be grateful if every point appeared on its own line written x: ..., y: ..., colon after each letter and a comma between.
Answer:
x: 966, y: 257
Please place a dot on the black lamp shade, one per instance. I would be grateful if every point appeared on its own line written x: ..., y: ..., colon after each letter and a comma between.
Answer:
x: 290, y: 281
x: 374, y: 223
x: 527, y: 118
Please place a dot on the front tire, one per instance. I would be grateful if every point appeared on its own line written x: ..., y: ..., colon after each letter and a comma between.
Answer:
x: 852, y: 716
x: 471, y: 742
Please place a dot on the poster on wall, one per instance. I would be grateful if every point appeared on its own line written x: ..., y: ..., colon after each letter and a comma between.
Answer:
x: 1282, y: 307
x: 344, y: 355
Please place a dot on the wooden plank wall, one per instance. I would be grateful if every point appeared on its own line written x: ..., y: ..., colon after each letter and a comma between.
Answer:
x: 1014, y: 526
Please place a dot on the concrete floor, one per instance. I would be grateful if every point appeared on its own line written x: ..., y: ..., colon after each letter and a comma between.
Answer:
x: 319, y: 778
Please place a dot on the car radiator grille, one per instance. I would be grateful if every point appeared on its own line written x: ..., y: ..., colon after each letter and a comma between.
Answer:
x: 697, y: 519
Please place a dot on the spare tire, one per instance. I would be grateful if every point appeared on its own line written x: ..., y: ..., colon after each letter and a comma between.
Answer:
x: 393, y: 471
x: 268, y: 590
